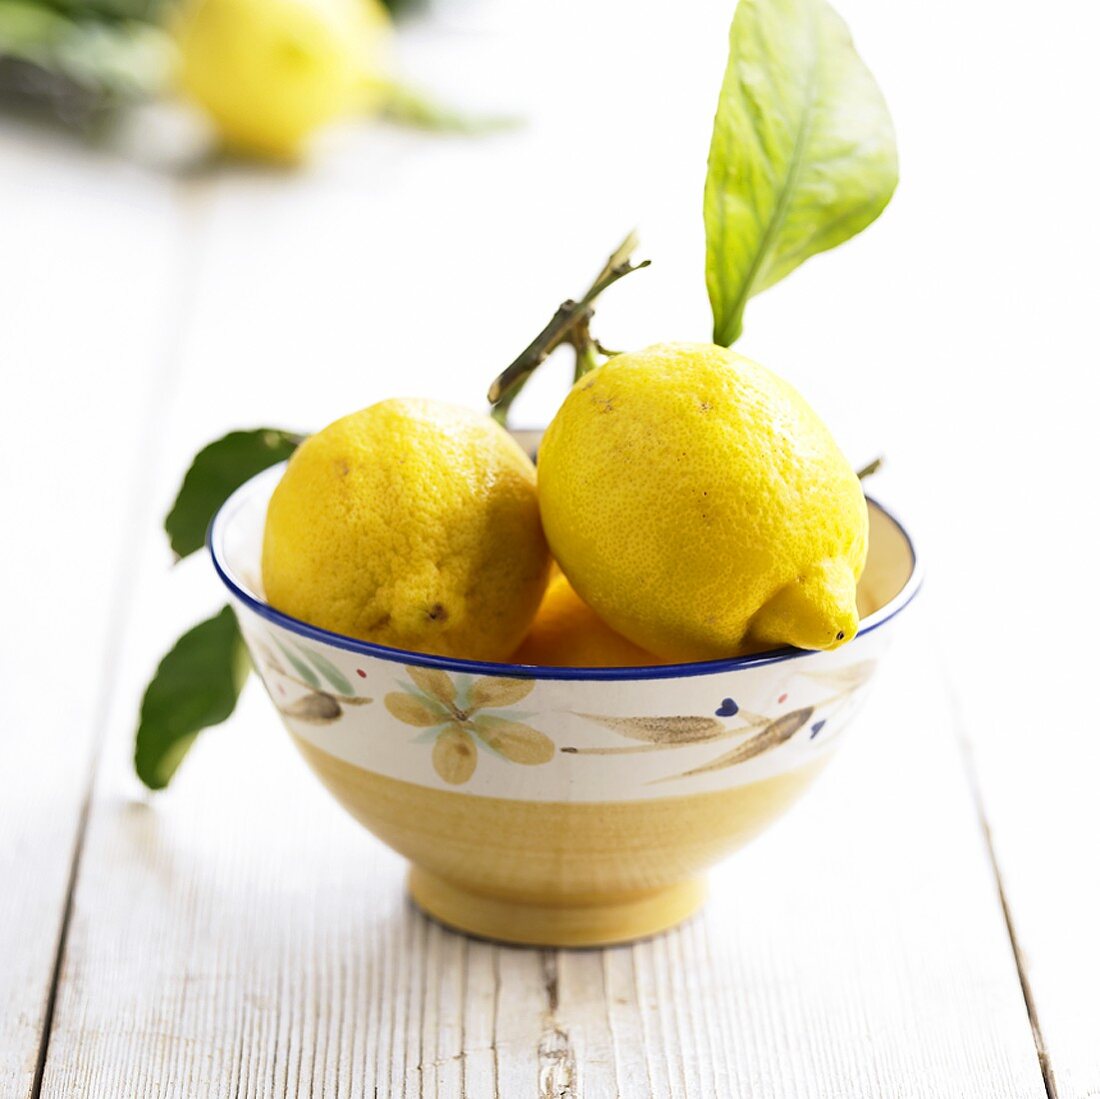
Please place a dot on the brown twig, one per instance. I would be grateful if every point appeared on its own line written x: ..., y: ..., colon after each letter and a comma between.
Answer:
x: 570, y: 323
x: 871, y: 468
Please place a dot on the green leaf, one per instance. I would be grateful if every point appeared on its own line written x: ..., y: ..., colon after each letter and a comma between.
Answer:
x: 329, y: 670
x: 802, y: 156
x: 217, y: 471
x: 399, y: 7
x: 82, y: 57
x: 196, y: 685
x: 106, y: 11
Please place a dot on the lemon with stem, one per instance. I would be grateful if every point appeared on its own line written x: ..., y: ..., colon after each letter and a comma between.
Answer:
x: 699, y: 505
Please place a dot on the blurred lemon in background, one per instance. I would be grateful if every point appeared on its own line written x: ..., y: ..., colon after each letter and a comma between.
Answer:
x: 271, y: 72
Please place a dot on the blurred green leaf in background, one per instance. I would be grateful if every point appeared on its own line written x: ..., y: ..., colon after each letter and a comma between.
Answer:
x: 83, y: 57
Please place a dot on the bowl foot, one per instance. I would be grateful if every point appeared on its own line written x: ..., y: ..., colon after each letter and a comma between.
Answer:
x: 617, y: 919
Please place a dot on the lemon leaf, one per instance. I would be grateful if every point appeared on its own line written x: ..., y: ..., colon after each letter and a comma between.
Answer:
x: 216, y: 472
x: 802, y: 156
x: 196, y: 685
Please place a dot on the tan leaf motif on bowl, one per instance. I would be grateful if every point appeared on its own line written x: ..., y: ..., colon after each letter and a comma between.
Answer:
x: 316, y: 709
x: 492, y: 692
x: 514, y: 740
x: 412, y: 711
x: 849, y: 678
x: 454, y: 755
x: 664, y: 730
x: 436, y: 701
x: 774, y: 734
x: 433, y: 682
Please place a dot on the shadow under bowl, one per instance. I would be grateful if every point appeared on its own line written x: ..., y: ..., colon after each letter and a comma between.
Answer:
x: 557, y: 806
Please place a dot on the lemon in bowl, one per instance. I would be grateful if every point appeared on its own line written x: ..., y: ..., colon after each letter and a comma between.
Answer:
x: 412, y: 523
x: 567, y: 633
x: 699, y: 504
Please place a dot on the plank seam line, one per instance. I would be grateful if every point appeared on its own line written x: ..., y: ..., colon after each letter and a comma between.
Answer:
x: 122, y: 602
x: 966, y: 750
x: 63, y: 930
x: 123, y: 595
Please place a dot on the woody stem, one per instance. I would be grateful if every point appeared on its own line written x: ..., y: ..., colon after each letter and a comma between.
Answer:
x: 570, y: 323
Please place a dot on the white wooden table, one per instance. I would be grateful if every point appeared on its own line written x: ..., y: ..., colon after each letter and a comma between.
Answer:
x: 926, y: 923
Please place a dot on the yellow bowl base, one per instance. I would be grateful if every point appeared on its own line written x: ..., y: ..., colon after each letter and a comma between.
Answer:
x: 620, y: 919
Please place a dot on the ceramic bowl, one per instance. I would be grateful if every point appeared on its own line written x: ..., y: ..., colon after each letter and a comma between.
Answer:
x: 557, y: 806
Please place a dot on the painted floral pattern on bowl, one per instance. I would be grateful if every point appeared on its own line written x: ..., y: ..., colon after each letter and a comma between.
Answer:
x: 460, y: 714
x: 479, y: 732
x: 552, y: 734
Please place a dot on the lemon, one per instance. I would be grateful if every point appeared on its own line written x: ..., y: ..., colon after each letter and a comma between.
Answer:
x: 567, y: 633
x: 701, y: 507
x: 270, y: 72
x: 412, y: 523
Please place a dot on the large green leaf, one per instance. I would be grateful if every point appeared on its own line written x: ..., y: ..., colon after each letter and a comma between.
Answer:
x: 802, y: 156
x: 196, y: 685
x: 216, y: 472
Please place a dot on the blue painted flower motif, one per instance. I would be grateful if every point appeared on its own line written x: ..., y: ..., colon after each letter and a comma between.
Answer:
x: 727, y: 709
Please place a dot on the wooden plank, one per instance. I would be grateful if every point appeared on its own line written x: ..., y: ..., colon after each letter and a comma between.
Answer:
x: 1022, y: 660
x: 989, y: 414
x: 91, y: 271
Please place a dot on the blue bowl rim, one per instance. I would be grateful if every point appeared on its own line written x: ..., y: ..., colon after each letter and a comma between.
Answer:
x: 532, y: 671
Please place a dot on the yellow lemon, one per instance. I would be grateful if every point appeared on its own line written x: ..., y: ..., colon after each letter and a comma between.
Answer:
x: 567, y: 633
x: 699, y: 505
x: 270, y: 72
x: 412, y: 523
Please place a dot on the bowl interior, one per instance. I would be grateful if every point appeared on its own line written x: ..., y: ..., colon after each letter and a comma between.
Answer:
x: 891, y: 564
x: 236, y: 538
